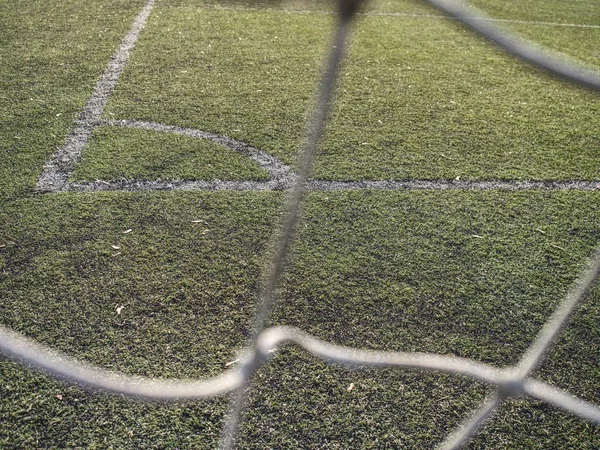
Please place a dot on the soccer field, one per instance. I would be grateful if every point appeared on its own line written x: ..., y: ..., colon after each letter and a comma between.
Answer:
x: 146, y: 152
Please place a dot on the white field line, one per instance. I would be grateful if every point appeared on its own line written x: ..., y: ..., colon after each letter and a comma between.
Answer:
x: 395, y: 14
x: 277, y: 170
x: 325, y: 185
x: 56, y: 172
x: 440, y: 185
x: 282, y: 176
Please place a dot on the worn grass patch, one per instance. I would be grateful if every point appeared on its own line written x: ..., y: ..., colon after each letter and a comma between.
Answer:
x: 473, y: 274
x: 117, y: 154
x: 73, y: 261
x: 187, y: 291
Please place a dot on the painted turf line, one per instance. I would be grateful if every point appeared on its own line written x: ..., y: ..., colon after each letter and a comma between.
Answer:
x: 325, y: 185
x: 282, y: 177
x: 56, y: 172
x: 443, y: 185
x: 278, y: 171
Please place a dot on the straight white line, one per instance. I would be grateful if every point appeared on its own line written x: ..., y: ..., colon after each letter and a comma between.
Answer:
x: 325, y: 185
x: 441, y: 185
x: 56, y: 172
x: 172, y: 185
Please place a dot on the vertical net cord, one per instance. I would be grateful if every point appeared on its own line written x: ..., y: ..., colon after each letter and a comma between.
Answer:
x: 292, y: 211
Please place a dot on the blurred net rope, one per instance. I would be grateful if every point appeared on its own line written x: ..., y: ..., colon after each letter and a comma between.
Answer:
x: 508, y: 382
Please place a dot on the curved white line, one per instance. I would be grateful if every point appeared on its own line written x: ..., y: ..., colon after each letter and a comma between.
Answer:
x: 277, y: 170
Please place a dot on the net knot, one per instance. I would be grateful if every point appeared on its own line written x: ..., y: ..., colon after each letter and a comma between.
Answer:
x: 250, y: 363
x: 511, y: 387
x: 349, y: 7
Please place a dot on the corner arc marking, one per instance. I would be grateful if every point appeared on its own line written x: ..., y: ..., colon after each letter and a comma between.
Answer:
x: 280, y: 174
x: 282, y: 177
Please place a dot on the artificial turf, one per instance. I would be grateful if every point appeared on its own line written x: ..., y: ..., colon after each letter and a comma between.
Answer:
x: 412, y: 259
x: 473, y: 273
x: 420, y: 98
x: 51, y: 55
x: 117, y: 154
x: 584, y: 12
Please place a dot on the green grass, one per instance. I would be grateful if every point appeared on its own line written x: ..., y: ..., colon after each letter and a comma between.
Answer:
x: 51, y: 55
x: 472, y: 273
x: 577, y: 12
x: 252, y: 81
x: 188, y: 299
x: 117, y: 153
x: 420, y: 97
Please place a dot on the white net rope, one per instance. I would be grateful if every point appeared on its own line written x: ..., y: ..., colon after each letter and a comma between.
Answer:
x: 509, y: 382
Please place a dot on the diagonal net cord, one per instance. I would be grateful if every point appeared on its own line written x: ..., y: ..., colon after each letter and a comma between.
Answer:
x: 556, y: 65
x: 462, y: 435
x: 516, y: 382
x: 552, y: 62
x: 510, y: 382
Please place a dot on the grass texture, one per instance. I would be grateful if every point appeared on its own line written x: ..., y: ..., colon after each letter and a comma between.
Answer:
x: 117, y: 154
x: 420, y: 98
x: 165, y: 284
x: 188, y: 297
x: 51, y: 55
